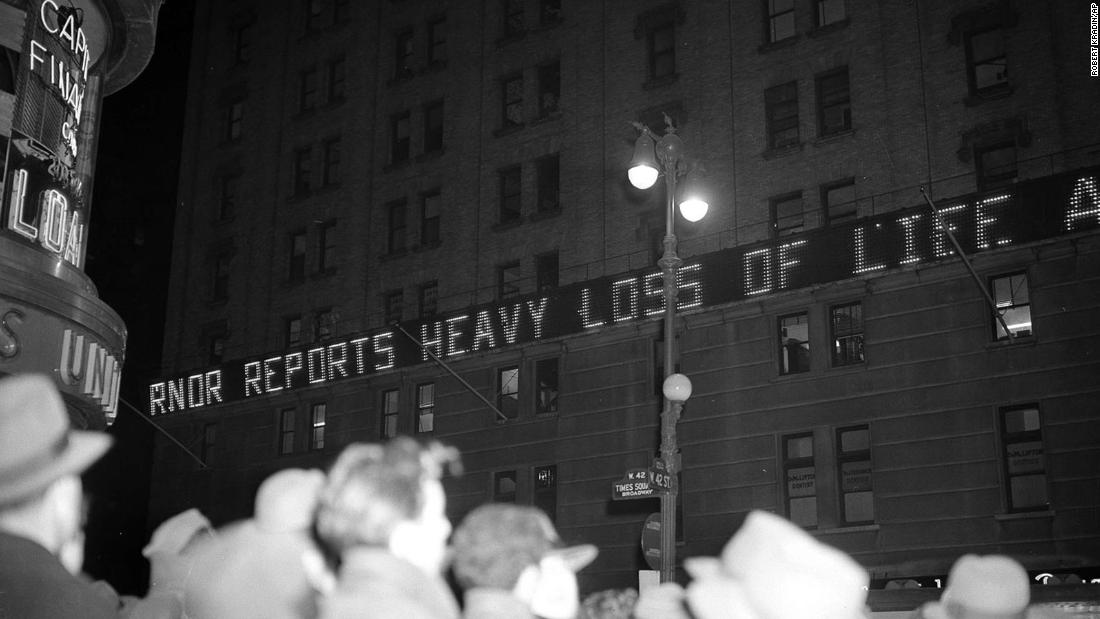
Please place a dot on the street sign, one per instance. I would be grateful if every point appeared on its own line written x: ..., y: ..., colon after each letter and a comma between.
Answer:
x: 635, y: 485
x: 651, y: 541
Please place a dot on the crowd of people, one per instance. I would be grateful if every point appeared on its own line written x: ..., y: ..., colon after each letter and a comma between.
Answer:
x: 370, y: 538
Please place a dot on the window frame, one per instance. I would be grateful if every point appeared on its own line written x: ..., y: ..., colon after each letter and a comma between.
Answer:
x: 308, y: 89
x: 779, y: 101
x: 437, y: 41
x: 774, y: 205
x: 827, y: 206
x: 330, y: 164
x: 509, y: 288
x: 1012, y: 305
x: 544, y: 282
x: 512, y: 395
x: 404, y: 51
x: 292, y: 330
x: 337, y: 73
x: 433, y: 133
x: 548, y: 183
x: 393, y: 306
x: 287, y: 431
x: 324, y: 323
x: 772, y: 15
x: 302, y: 171
x: 540, y: 399
x: 846, y: 457
x: 425, y: 410
x: 396, y: 226
x: 820, y: 15
x: 400, y: 137
x: 833, y: 99
x: 987, y: 181
x: 234, y: 120
x: 389, y: 418
x: 326, y: 246
x: 656, y: 54
x: 513, y: 19
x: 510, y: 181
x: 423, y: 306
x: 296, y: 262
x: 789, y: 369
x: 541, y: 488
x: 430, y: 218
x: 229, y: 193
x: 801, y: 462
x: 973, y: 63
x: 505, y: 497
x: 511, y: 84
x: 549, y: 84
x: 220, y: 276
x: 1008, y: 439
x: 209, y: 442
x: 855, y: 333
x: 317, y: 430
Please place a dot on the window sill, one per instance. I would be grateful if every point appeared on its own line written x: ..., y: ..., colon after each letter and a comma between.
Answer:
x: 764, y: 48
x: 992, y: 93
x: 834, y: 137
x: 1016, y: 342
x: 828, y: 29
x: 508, y: 130
x: 396, y: 165
x: 782, y: 151
x: 507, y: 225
x: 1042, y: 513
x: 393, y: 255
x: 544, y: 214
x: 545, y: 118
x: 430, y: 155
x: 859, y: 528
x: 660, y: 82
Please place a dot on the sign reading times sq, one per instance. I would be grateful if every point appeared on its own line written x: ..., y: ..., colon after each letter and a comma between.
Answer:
x: 1025, y: 212
x: 44, y: 195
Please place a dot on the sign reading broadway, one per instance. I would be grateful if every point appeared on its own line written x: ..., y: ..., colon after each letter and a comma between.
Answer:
x: 1025, y: 212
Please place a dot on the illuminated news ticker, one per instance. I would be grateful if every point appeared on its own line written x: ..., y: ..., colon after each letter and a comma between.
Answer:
x: 1029, y: 211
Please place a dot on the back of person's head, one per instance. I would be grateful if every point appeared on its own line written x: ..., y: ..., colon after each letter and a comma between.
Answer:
x: 373, y: 488
x: 41, y: 458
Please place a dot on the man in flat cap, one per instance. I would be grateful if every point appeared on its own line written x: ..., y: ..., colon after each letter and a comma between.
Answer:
x: 41, y: 505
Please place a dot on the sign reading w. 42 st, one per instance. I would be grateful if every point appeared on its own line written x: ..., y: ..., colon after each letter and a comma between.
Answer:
x: 640, y: 484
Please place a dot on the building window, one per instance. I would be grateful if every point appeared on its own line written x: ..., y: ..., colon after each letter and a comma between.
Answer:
x: 508, y: 280
x: 801, y: 479
x: 987, y: 68
x: 546, y: 272
x: 545, y: 497
x: 303, y: 170
x: 546, y: 378
x: 839, y: 201
x: 330, y: 170
x: 1013, y: 301
x: 428, y: 299
x: 337, y: 78
x: 437, y: 41
x: 834, y: 106
x: 228, y: 195
x: 786, y: 213
x: 314, y: 10
x: 234, y: 117
x: 829, y: 12
x: 242, y: 39
x: 425, y: 407
x: 780, y: 20
x: 781, y: 109
x: 429, y: 218
x: 510, y: 194
x: 433, y: 127
x: 549, y: 88
x: 220, y: 284
x: 853, y: 463
x: 661, y: 42
x: 209, y: 440
x: 504, y: 487
x: 394, y: 306
x: 508, y: 391
x: 317, y: 414
x: 549, y: 183
x: 325, y: 324
x: 549, y: 12
x: 513, y: 18
x: 512, y: 100
x: 391, y: 408
x: 326, y: 246
x: 297, y: 268
x: 1025, y: 471
x: 846, y: 322
x: 996, y: 165
x: 307, y: 90
x: 286, y: 431
x: 403, y: 54
x: 215, y: 348
x: 399, y: 137
x: 340, y: 11
x: 794, y: 343
x: 292, y: 330
x: 395, y: 225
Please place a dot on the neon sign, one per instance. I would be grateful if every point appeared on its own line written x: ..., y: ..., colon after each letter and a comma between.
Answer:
x: 1029, y: 211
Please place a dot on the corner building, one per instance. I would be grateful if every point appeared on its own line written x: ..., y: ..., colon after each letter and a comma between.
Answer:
x: 368, y: 185
x: 58, y: 59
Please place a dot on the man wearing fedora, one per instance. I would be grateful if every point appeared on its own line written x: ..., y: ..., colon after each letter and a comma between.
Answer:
x: 41, y: 505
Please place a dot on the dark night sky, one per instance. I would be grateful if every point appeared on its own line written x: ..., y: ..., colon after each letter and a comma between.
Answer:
x: 129, y: 247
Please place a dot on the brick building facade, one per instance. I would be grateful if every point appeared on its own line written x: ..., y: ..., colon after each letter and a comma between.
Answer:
x: 359, y: 175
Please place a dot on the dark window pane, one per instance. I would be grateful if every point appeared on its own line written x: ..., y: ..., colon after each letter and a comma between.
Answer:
x: 794, y: 344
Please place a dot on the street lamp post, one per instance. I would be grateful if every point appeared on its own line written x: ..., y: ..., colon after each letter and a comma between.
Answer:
x: 653, y: 157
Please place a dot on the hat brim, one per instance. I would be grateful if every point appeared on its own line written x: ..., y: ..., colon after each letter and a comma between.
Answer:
x: 83, y: 449
x: 577, y: 557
